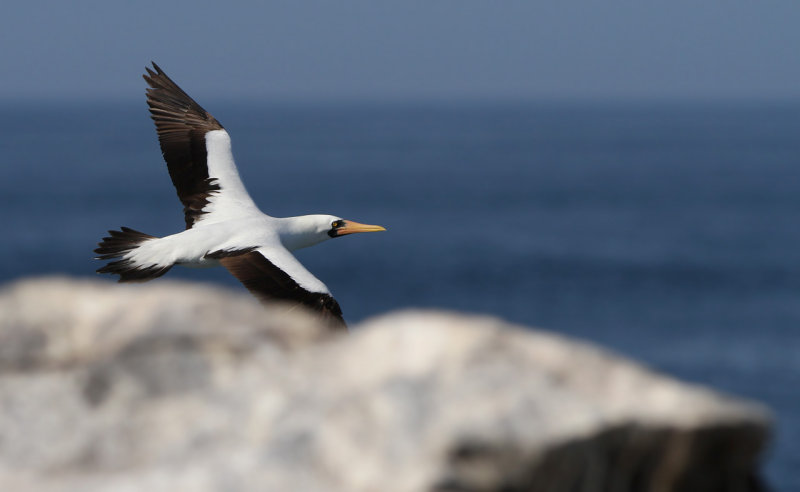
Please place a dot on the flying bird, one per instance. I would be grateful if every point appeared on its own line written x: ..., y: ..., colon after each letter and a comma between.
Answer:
x: 223, y: 224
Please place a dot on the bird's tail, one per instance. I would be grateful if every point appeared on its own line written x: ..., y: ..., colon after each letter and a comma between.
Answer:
x: 121, y: 244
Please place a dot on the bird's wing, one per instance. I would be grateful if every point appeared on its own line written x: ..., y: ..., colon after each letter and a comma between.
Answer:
x: 274, y: 274
x: 197, y: 150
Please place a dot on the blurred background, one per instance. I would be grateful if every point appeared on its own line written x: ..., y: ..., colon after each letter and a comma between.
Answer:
x: 625, y: 172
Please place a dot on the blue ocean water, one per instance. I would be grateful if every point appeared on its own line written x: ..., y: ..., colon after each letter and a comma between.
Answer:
x: 668, y: 233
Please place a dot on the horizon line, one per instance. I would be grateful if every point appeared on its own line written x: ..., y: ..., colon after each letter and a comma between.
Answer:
x: 393, y: 101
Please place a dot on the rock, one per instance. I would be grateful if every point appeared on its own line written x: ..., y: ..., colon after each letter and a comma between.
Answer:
x: 169, y: 386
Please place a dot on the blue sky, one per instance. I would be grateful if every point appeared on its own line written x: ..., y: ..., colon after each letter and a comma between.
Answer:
x: 404, y: 50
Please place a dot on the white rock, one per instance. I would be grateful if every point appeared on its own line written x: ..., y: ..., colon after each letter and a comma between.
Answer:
x: 169, y: 386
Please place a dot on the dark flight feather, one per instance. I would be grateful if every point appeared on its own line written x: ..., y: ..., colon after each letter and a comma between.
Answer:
x: 270, y: 283
x: 182, y: 124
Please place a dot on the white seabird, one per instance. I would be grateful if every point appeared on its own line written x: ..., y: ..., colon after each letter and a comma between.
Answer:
x: 223, y: 224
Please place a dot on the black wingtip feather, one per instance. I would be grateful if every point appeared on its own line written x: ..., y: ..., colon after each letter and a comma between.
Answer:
x: 181, y: 124
x: 269, y: 283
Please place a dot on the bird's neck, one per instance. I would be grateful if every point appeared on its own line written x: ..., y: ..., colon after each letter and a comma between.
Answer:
x: 299, y: 232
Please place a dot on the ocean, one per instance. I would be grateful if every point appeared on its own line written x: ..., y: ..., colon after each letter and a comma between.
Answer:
x: 665, y: 232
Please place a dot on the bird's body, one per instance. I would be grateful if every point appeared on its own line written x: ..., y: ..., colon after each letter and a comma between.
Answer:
x: 223, y: 224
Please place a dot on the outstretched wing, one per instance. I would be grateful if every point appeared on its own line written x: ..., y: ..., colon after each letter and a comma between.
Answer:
x: 274, y: 274
x: 197, y: 150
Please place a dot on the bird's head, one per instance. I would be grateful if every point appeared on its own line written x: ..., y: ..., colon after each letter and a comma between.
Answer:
x: 307, y: 230
x: 337, y: 227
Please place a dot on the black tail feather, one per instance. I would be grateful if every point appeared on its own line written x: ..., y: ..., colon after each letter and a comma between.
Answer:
x: 119, y: 243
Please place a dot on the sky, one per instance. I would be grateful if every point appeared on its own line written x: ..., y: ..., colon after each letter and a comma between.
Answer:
x: 331, y: 50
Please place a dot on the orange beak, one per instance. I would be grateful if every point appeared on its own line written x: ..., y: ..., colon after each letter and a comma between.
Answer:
x: 351, y: 227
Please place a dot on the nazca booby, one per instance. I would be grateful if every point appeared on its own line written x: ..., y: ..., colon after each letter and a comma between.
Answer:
x: 223, y: 224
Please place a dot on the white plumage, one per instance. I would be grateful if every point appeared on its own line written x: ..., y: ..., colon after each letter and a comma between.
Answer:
x: 223, y: 224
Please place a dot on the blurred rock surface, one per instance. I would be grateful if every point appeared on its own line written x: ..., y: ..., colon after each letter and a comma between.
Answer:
x: 169, y: 386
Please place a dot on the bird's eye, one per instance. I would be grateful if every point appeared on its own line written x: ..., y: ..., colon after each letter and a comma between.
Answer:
x: 336, y: 224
